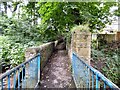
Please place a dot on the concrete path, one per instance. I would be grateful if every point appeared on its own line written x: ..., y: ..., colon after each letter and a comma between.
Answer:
x: 57, y: 73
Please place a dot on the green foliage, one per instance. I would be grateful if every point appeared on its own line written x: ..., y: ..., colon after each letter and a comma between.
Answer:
x: 31, y: 10
x: 97, y: 55
x: 94, y: 44
x: 19, y: 34
x: 81, y: 27
x: 62, y: 15
x: 2, y: 38
x: 13, y: 53
x: 111, y: 66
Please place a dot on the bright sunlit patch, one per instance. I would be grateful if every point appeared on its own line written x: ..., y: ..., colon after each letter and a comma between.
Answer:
x: 9, y: 13
x: 112, y: 9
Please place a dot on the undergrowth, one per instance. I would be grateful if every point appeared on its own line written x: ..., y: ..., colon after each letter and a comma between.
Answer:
x: 110, y: 58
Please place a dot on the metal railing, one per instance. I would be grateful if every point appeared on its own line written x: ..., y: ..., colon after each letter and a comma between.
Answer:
x: 25, y: 75
x: 86, y: 76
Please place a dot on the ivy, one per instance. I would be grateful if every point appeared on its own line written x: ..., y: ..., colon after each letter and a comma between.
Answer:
x: 110, y: 59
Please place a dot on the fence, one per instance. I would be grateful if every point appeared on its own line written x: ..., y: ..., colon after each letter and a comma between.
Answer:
x: 86, y: 76
x: 25, y: 75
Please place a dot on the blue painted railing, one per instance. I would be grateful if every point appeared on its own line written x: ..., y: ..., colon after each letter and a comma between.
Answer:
x: 25, y: 75
x: 86, y: 76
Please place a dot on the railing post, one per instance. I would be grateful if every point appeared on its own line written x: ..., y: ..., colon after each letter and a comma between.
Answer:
x: 14, y: 80
x: 2, y: 84
x: 104, y: 86
x: 97, y: 82
x: 8, y: 82
x: 38, y: 60
x: 88, y: 78
x: 72, y: 64
x: 18, y: 79
x: 92, y: 80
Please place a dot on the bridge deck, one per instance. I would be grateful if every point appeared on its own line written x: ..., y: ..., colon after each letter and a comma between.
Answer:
x: 57, y: 72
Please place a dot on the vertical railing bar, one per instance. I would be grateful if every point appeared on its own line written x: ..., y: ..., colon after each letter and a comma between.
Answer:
x: 25, y: 75
x: 9, y: 82
x: 74, y: 69
x: 97, y: 82
x: 2, y: 83
x: 22, y: 75
x: 83, y: 70
x: 14, y: 80
x: 38, y: 58
x: 86, y: 69
x: 88, y: 78
x: 74, y: 60
x: 92, y: 80
x: 104, y: 86
x: 18, y: 78
x: 31, y: 65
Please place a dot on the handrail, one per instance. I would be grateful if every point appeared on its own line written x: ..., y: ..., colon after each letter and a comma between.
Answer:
x: 17, y: 67
x: 22, y: 66
x: 98, y: 74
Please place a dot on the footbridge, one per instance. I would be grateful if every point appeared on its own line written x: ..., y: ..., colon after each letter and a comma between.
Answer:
x: 57, y: 65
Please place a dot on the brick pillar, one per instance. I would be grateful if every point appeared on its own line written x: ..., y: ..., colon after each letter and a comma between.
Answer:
x: 81, y: 43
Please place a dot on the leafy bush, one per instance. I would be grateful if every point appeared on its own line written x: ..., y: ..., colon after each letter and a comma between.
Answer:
x: 96, y: 55
x: 13, y: 53
x: 94, y: 44
x: 111, y: 59
x: 19, y: 34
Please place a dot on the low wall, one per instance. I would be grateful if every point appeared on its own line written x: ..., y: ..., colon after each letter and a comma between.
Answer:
x: 69, y: 50
x: 45, y: 51
x: 118, y: 36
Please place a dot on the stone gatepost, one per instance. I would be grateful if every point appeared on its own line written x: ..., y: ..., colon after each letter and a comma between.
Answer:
x: 81, y: 43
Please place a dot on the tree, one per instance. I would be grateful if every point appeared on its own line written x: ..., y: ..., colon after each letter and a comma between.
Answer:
x: 31, y: 10
x: 117, y: 12
x: 61, y: 15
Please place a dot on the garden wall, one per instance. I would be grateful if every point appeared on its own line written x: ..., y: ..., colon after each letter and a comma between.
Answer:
x: 118, y: 36
x: 108, y: 37
x: 45, y: 51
